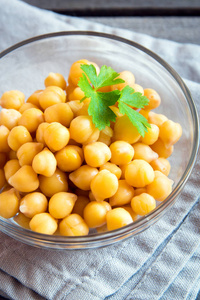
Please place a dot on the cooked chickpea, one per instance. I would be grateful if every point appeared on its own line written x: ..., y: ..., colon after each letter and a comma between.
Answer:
x: 27, y: 106
x: 76, y: 94
x: 144, y: 152
x: 69, y: 158
x: 123, y: 169
x: 60, y: 112
x: 83, y: 176
x: 104, y: 185
x: 12, y: 99
x: 44, y: 163
x: 75, y: 106
x: 18, y: 136
x: 139, y: 173
x: 55, y: 79
x: 170, y: 133
x: 129, y: 209
x: 34, y: 98
x: 2, y: 179
x: 117, y: 218
x: 80, y: 204
x: 112, y: 168
x: 124, y: 194
x: 11, y: 167
x: 161, y: 164
x: 9, y: 117
x: 160, y: 187
x: 95, y: 212
x: 4, y: 133
x: 105, y: 135
x: 24, y: 180
x: 40, y: 132
x: 151, y: 135
x: 139, y: 191
x: 9, y: 203
x: 43, y: 223
x: 56, y: 136
x: 161, y: 149
x: 27, y: 152
x: 156, y: 119
x: 31, y: 118
x: 50, y: 96
x: 12, y: 154
x: 81, y: 128
x: 61, y: 204
x: 96, y: 154
x: 129, y: 79
x: 124, y: 130
x: 122, y: 152
x: 138, y: 88
x: 33, y: 203
x: 73, y: 225
x: 154, y: 98
x: 143, y: 204
x: 22, y: 220
x: 54, y: 184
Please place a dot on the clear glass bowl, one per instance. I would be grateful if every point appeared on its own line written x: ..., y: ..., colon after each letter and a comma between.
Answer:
x: 24, y: 67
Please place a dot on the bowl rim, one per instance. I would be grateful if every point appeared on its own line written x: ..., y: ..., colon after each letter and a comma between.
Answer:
x: 109, y: 237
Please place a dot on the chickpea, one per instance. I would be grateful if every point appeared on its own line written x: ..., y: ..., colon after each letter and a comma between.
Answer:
x: 22, y: 220
x: 32, y: 204
x: 144, y: 152
x: 12, y: 154
x: 34, y: 98
x: 54, y: 184
x: 56, y: 136
x: 139, y: 173
x: 83, y: 176
x: 9, y: 117
x: 129, y: 209
x: 156, y: 119
x: 24, y: 180
x: 4, y: 133
x: 44, y: 163
x: 154, y: 98
x: 160, y: 187
x: 161, y: 164
x: 80, y: 204
x: 75, y: 106
x: 104, y: 185
x: 50, y: 96
x: 81, y: 128
x: 3, y: 159
x: 27, y: 106
x: 61, y: 204
x: 117, y: 218
x: 122, y: 152
x: 69, y: 158
x: 138, y: 88
x: 105, y: 135
x: 31, y: 118
x: 124, y: 130
x: 112, y: 168
x: 43, y: 223
x: 129, y: 79
x: 143, y: 204
x: 40, y: 132
x: 161, y: 149
x: 60, y: 112
x: 2, y: 179
x: 18, y: 136
x: 96, y: 154
x: 170, y: 133
x: 11, y: 167
x: 123, y: 169
x: 151, y: 135
x: 124, y: 194
x: 9, y: 203
x: 95, y: 212
x: 139, y: 191
x: 12, y: 99
x: 73, y: 225
x: 55, y: 79
x: 27, y: 152
x: 76, y: 94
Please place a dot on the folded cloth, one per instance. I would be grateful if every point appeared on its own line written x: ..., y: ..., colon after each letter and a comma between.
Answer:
x: 163, y: 262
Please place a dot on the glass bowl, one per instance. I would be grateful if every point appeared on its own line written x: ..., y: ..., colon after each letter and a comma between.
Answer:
x: 24, y: 67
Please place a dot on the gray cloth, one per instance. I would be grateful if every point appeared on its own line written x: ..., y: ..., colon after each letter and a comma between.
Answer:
x: 163, y: 262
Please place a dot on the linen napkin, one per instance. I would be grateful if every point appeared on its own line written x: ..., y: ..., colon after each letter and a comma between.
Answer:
x: 163, y: 262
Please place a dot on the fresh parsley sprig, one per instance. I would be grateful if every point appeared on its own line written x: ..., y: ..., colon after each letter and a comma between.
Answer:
x: 99, y: 107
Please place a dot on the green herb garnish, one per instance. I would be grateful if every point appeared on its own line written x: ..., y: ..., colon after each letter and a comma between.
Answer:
x: 99, y: 107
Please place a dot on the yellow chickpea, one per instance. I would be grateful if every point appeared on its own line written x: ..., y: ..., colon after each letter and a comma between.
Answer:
x: 151, y: 135
x: 24, y: 180
x: 50, y: 96
x: 118, y: 217
x: 154, y: 98
x: 139, y: 173
x: 75, y: 106
x: 124, y: 130
x: 83, y: 176
x: 9, y: 117
x: 3, y: 159
x: 129, y: 79
x: 12, y: 154
x: 144, y: 152
x: 34, y: 98
x: 27, y: 152
x: 22, y: 220
x: 31, y: 118
x: 9, y: 203
x: 55, y: 79
x: 96, y: 154
x: 80, y: 204
x: 12, y: 99
x: 112, y: 168
x: 2, y: 178
x: 56, y: 136
x: 156, y: 119
x: 129, y: 209
x: 139, y: 191
x: 40, y: 132
x: 124, y: 194
x: 161, y: 186
x: 60, y: 112
x: 170, y: 133
x: 4, y: 133
x: 32, y: 204
x: 27, y: 106
x: 105, y: 135
x: 81, y: 128
x: 18, y: 136
x: 161, y: 164
x: 44, y: 163
x: 61, y: 204
x: 11, y: 167
x: 93, y: 137
x: 122, y: 152
x: 138, y: 88
x: 95, y: 212
x: 123, y: 169
x: 43, y: 223
x: 69, y: 158
x: 104, y: 185
x: 161, y: 149
x: 76, y: 94
x: 143, y: 204
x: 73, y: 225
x: 54, y: 184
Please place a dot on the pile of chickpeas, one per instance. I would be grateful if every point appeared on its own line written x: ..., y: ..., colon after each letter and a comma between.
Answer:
x: 60, y: 175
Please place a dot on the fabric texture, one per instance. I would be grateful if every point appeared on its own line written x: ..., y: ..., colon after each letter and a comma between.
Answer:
x: 163, y: 262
